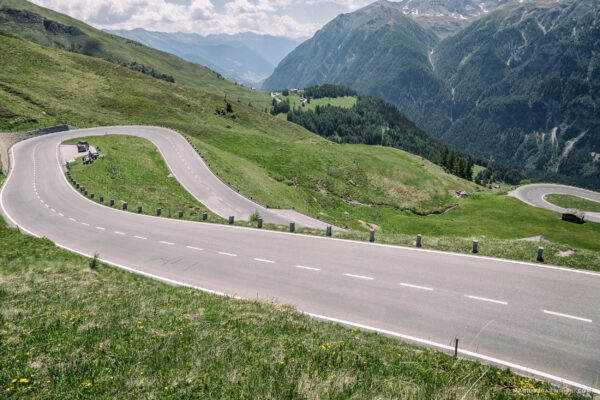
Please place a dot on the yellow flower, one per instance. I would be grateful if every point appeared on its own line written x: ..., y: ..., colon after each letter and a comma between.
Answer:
x: 24, y: 380
x: 282, y: 363
x: 14, y: 380
x: 166, y: 388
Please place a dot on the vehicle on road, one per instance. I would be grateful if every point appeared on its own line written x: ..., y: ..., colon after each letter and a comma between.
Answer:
x: 82, y: 146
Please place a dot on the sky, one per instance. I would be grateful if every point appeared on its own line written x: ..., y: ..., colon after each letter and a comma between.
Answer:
x: 290, y: 18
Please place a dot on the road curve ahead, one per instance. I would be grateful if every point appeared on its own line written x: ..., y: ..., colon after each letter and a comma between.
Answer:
x: 195, y: 176
x: 535, y: 195
x: 536, y: 319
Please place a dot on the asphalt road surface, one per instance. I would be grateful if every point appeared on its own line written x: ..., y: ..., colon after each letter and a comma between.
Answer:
x: 535, y: 194
x: 538, y: 320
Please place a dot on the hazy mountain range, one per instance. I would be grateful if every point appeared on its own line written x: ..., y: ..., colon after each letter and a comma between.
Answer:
x: 520, y: 84
x: 246, y: 58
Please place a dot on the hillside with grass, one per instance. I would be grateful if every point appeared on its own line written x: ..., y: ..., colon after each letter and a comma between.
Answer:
x: 274, y: 161
x: 49, y: 28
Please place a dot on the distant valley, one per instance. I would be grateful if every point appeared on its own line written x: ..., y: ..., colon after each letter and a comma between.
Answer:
x: 246, y: 58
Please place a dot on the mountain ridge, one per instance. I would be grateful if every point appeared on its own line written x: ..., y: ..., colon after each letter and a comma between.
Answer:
x: 526, y: 102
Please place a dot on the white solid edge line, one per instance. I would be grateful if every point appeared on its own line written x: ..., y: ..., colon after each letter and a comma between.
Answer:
x: 265, y: 261
x: 567, y: 316
x: 359, y: 277
x: 169, y: 243
x: 322, y: 317
x: 227, y: 254
x: 486, y: 299
x: 308, y: 268
x: 194, y: 248
x: 552, y: 267
x: 467, y: 353
x: 416, y: 286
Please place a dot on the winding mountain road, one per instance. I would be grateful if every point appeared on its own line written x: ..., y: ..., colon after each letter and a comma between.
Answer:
x: 535, y: 195
x: 538, y: 320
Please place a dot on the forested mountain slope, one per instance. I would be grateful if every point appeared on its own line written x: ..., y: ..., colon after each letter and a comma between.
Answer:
x: 519, y: 85
x: 526, y: 89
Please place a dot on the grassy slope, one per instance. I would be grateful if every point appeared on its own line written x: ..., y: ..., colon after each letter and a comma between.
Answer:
x: 567, y: 201
x: 61, y: 337
x: 113, y: 47
x: 294, y: 98
x: 269, y: 159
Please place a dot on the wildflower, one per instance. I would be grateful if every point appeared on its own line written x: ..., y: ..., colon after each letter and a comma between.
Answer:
x: 166, y: 388
x: 24, y: 380
x: 14, y: 380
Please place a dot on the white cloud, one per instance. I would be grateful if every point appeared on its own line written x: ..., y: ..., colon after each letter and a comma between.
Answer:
x: 292, y: 18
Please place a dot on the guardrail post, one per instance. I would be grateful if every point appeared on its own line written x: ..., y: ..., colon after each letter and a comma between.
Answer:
x: 372, y: 235
x: 260, y: 222
x: 292, y: 226
x: 158, y: 212
x: 101, y: 199
x: 204, y: 216
x: 231, y: 220
x: 124, y: 205
x: 92, y: 196
x: 455, y: 347
x: 475, y: 245
x: 139, y: 209
x: 540, y: 254
x: 180, y: 214
x: 112, y: 202
x: 77, y: 185
x: 328, y: 231
x: 85, y: 192
x: 419, y: 240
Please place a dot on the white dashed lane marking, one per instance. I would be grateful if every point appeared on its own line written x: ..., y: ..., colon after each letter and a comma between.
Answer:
x: 416, y: 286
x: 227, y: 254
x: 308, y: 268
x: 141, y: 237
x: 100, y: 228
x: 567, y: 316
x: 194, y: 248
x: 360, y: 277
x: 167, y: 243
x: 264, y: 261
x: 72, y: 219
x: 485, y: 299
x: 120, y: 233
x: 85, y: 224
